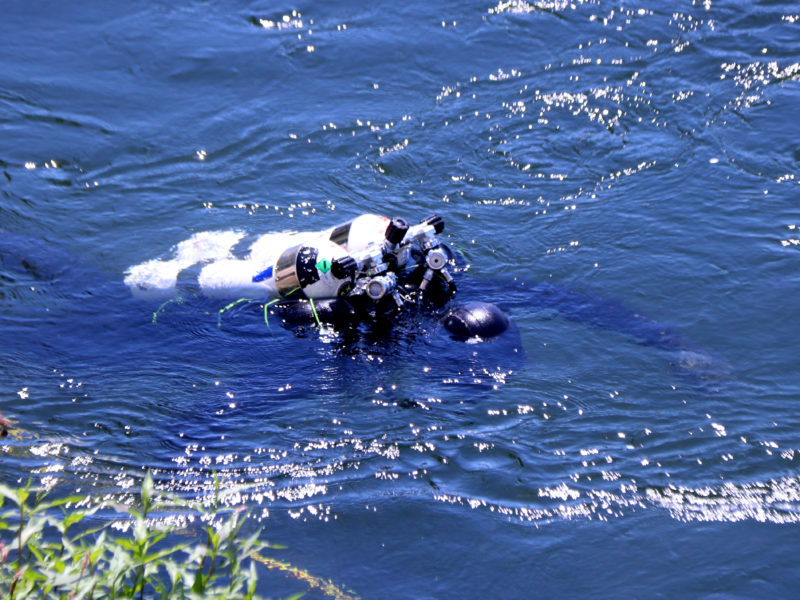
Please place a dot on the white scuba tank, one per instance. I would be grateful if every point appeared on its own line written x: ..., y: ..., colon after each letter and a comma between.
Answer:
x: 363, y: 231
x: 306, y: 266
x: 276, y: 265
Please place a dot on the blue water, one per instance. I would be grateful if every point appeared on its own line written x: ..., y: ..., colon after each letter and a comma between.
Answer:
x: 610, y: 171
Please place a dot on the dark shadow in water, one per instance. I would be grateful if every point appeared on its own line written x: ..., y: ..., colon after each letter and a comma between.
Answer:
x: 108, y: 308
x: 80, y: 317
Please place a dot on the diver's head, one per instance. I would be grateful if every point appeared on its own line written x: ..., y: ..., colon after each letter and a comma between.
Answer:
x: 472, y: 319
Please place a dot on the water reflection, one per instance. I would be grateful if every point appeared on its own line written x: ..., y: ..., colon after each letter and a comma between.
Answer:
x: 613, y: 155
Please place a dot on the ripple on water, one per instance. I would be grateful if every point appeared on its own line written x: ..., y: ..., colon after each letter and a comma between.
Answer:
x: 647, y: 154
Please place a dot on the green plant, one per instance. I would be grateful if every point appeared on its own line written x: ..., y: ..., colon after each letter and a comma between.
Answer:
x: 44, y: 554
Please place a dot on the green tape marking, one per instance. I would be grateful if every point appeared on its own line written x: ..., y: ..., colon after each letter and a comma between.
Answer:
x: 230, y: 306
x: 266, y: 306
x: 161, y: 308
x: 314, y: 310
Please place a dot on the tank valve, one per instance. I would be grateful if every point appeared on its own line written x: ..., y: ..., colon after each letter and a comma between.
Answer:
x: 396, y: 231
x: 436, y: 222
x: 379, y: 286
x: 435, y: 260
x: 344, y: 268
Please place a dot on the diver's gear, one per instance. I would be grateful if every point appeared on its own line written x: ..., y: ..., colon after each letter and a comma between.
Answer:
x: 436, y: 222
x: 370, y: 257
x: 336, y: 311
x: 337, y: 262
x: 379, y: 286
x: 475, y: 319
x: 344, y: 268
x: 395, y: 232
x: 305, y: 270
x: 368, y: 268
x: 295, y: 269
x: 434, y: 261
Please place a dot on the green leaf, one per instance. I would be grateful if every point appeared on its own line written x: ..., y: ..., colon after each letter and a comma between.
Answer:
x: 147, y: 490
x: 157, y: 536
x: 41, y: 506
x: 159, y: 555
x: 14, y: 495
x: 214, y: 537
x: 248, y: 545
x: 36, y: 551
x: 140, y: 531
x: 31, y: 529
x: 97, y: 553
x: 71, y: 518
x: 252, y: 578
x: 127, y: 544
x: 90, y: 532
x: 31, y: 575
x: 199, y: 582
x: 175, y: 572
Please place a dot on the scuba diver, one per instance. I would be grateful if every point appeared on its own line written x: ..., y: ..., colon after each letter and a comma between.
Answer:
x: 373, y: 269
x: 368, y: 269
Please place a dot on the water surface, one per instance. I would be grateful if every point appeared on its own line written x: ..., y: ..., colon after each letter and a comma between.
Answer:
x: 642, y: 156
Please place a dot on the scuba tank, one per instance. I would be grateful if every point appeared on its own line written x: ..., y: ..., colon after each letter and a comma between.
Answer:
x: 304, y: 271
x: 292, y: 265
x: 368, y: 267
x: 311, y: 269
x: 365, y: 258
